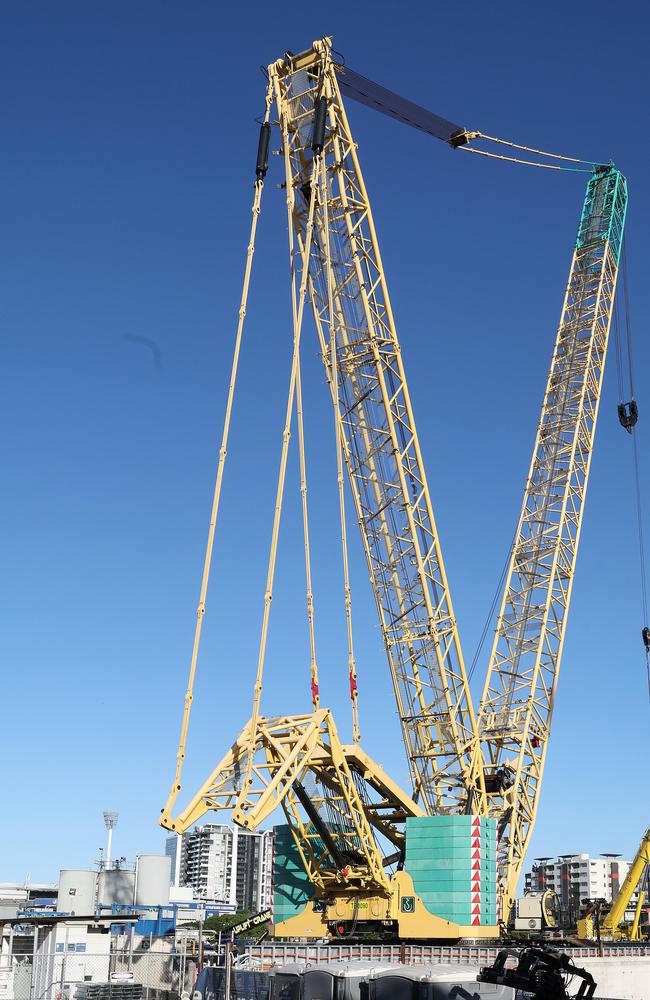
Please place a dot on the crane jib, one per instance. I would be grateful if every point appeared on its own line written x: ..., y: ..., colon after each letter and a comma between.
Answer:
x: 516, y: 708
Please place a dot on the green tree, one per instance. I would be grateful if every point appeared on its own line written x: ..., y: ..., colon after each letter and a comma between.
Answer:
x: 225, y: 921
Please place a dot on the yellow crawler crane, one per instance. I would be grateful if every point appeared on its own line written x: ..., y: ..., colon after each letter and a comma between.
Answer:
x: 348, y: 819
x: 591, y: 926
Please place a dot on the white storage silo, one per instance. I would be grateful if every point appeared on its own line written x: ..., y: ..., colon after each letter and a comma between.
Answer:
x: 153, y: 879
x: 77, y: 892
x: 116, y: 885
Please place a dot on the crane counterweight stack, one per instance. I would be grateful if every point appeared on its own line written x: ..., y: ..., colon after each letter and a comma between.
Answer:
x: 475, y: 778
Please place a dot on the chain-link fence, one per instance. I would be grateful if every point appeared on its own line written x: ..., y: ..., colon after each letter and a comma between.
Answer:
x: 79, y: 975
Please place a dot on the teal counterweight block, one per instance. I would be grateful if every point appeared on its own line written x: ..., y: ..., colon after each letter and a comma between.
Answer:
x: 449, y: 831
x: 462, y: 915
x: 453, y: 839
x: 454, y: 889
x: 463, y: 852
x: 451, y: 880
x: 450, y: 864
x: 448, y: 823
x: 458, y: 898
x: 292, y: 889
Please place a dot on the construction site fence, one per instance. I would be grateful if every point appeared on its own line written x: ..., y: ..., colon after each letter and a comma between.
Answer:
x: 148, y: 976
x: 152, y: 975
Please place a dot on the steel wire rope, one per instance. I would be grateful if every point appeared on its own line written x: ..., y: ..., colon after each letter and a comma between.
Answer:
x: 635, y: 454
x: 223, y: 451
x: 618, y: 354
x: 338, y: 433
x: 628, y: 322
x: 313, y: 665
x: 297, y: 314
x: 644, y: 587
x: 637, y: 476
x: 526, y: 163
x: 528, y: 149
x: 490, y: 614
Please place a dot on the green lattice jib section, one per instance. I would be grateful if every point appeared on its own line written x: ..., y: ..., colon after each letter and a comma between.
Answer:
x: 603, y: 212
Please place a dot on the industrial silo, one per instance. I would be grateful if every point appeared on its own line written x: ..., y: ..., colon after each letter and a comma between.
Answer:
x: 116, y: 885
x: 153, y: 880
x: 77, y: 892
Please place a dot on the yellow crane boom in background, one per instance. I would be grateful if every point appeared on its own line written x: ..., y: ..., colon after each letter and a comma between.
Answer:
x: 591, y: 926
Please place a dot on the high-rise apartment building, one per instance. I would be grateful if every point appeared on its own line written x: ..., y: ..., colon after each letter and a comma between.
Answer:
x: 254, y: 879
x: 225, y: 864
x: 173, y: 848
x: 577, y: 877
x: 207, y: 862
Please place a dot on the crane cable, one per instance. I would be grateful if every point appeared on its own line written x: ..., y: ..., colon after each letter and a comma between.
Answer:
x: 628, y: 415
x: 527, y: 149
x: 313, y: 665
x: 339, y: 437
x: 223, y: 451
x: 490, y: 615
x: 527, y: 163
x: 297, y: 314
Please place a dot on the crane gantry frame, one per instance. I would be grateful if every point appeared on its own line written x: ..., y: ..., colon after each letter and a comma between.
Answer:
x: 489, y: 763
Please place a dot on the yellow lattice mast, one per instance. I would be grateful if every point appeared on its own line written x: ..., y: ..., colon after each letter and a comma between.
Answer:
x: 378, y: 435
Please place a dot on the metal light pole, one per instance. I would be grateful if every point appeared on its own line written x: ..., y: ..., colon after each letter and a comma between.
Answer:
x: 110, y: 820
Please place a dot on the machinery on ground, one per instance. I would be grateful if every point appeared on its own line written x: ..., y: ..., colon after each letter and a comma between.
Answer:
x: 540, y: 974
x: 537, y: 911
x: 601, y: 925
x: 349, y: 820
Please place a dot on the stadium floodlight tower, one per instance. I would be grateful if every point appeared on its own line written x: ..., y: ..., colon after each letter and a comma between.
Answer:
x: 110, y: 820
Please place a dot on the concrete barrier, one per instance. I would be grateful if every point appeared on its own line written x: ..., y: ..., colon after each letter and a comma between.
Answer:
x: 619, y: 978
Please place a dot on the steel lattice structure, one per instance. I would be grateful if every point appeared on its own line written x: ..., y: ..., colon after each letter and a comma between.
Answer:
x: 351, y: 304
x: 491, y: 764
x: 515, y: 713
x: 350, y: 798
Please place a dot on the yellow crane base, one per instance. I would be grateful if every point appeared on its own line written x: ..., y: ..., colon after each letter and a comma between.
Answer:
x: 400, y: 913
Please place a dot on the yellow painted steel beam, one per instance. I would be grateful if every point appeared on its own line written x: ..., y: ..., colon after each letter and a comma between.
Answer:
x: 633, y: 878
x: 282, y: 753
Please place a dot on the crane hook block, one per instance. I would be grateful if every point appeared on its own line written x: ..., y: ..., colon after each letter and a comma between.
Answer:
x: 628, y: 414
x: 318, y: 135
x: 645, y: 634
x: 262, y: 164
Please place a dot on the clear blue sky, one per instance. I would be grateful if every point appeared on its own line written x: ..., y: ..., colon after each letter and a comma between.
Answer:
x: 129, y: 137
